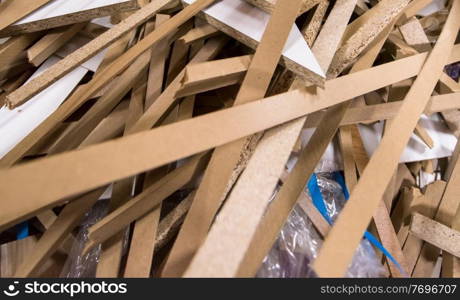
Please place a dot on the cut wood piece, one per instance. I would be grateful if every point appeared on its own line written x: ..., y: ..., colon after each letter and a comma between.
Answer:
x: 103, y: 106
x: 61, y: 13
x: 437, y: 234
x: 14, y: 10
x: 24, y: 119
x: 257, y: 183
x: 386, y: 111
x: 247, y: 23
x: 25, y: 181
x: 160, y: 106
x: 224, y: 161
x: 157, y: 65
x: 146, y: 201
x: 384, y: 12
x: 50, y: 43
x: 414, y: 35
x: 210, y: 75
x: 269, y: 5
x: 198, y: 33
x: 311, y: 31
x: 57, y: 233
x: 12, y: 50
x: 330, y: 36
x: 170, y: 224
x: 451, y: 264
x: 356, y: 215
x: 86, y: 52
x: 390, y: 241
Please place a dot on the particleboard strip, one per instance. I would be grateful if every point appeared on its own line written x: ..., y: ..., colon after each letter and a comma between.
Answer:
x: 57, y: 233
x: 311, y: 31
x: 386, y: 11
x: 213, y: 187
x: 50, y: 43
x: 269, y: 5
x: 92, y: 48
x: 12, y: 50
x: 169, y: 225
x: 104, y: 163
x: 198, y: 33
x: 14, y: 10
x: 328, y: 38
x: 437, y: 234
x: 61, y: 13
x: 355, y: 217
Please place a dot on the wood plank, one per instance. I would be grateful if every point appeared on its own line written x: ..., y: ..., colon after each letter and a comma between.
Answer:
x: 14, y: 10
x: 212, y: 190
x: 356, y: 215
x: 221, y: 128
x: 89, y: 50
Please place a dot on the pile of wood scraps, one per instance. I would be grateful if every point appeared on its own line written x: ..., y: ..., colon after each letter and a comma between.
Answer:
x: 194, y: 138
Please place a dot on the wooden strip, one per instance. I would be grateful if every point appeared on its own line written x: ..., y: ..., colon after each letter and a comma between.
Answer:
x: 213, y: 74
x: 385, y: 11
x: 204, y: 132
x: 198, y: 33
x: 436, y: 234
x: 257, y: 183
x: 146, y: 201
x: 312, y: 30
x: 58, y: 14
x: 156, y: 111
x: 169, y: 225
x: 328, y: 39
x: 414, y: 248
x: 77, y: 99
x: 14, y: 10
x: 157, y: 65
x: 56, y: 234
x: 212, y: 189
x: 103, y: 106
x: 357, y: 213
x: 50, y: 43
x: 89, y: 50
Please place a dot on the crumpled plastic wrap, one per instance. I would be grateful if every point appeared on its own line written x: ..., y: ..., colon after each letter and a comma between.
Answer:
x: 77, y: 264
x: 299, y: 242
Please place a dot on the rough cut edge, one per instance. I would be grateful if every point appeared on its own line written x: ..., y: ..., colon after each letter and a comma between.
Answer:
x: 302, y: 72
x: 268, y: 5
x: 77, y: 17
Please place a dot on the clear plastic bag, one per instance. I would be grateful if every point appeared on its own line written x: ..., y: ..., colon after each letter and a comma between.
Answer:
x: 77, y: 264
x: 299, y: 242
